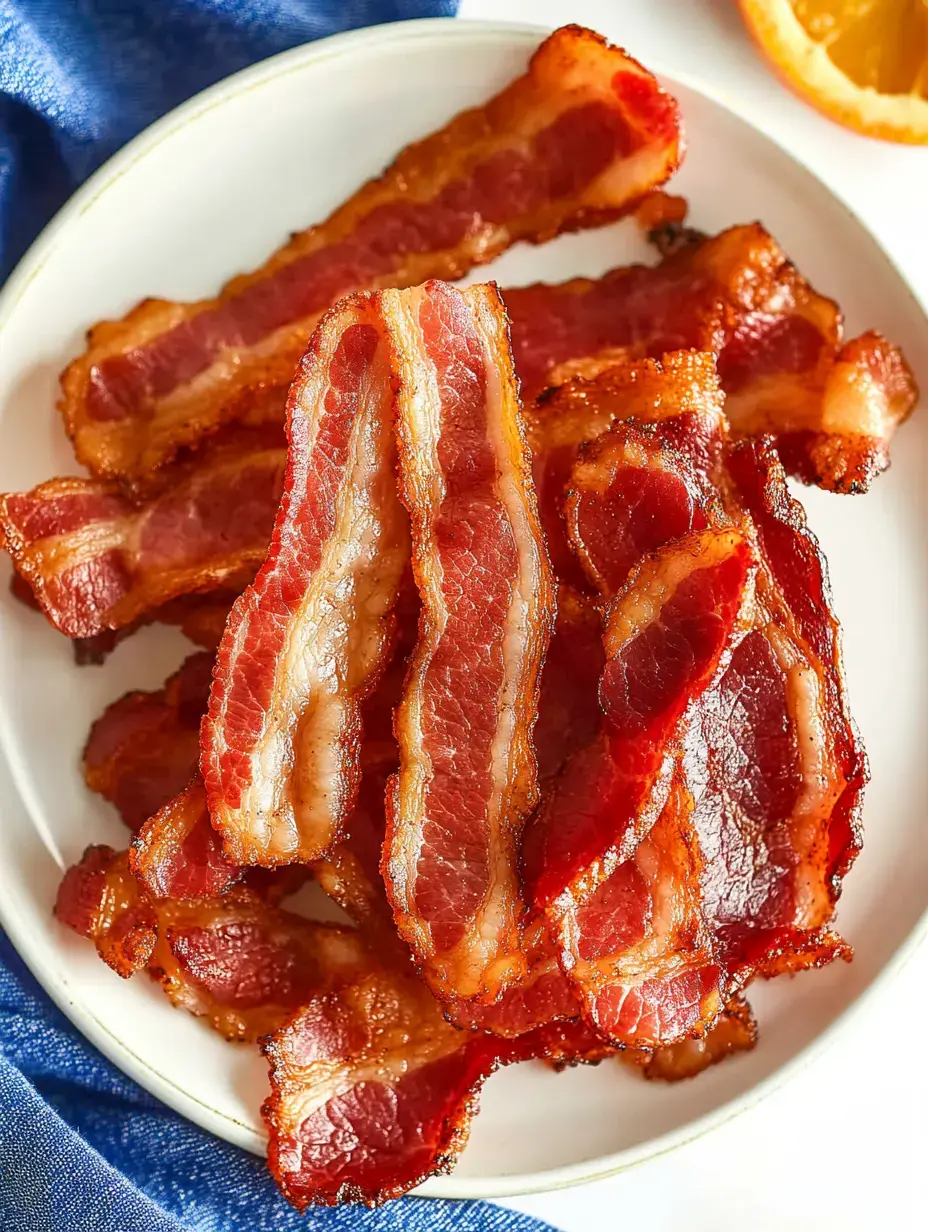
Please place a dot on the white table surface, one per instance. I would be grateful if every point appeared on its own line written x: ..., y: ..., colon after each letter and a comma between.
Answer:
x: 844, y: 1145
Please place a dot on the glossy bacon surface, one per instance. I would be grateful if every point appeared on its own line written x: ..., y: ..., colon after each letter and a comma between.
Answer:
x: 97, y: 561
x: 775, y: 764
x: 572, y: 143
x: 144, y: 748
x: 236, y: 959
x: 734, y: 1032
x: 467, y: 776
x: 305, y: 643
x: 372, y: 1091
x: 833, y: 408
x: 619, y: 861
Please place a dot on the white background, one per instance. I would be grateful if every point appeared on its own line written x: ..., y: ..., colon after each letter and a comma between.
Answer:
x: 844, y: 1146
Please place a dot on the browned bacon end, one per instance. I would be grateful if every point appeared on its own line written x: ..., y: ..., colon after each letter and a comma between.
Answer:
x: 734, y: 1032
x: 467, y: 777
x: 574, y: 142
x: 97, y: 561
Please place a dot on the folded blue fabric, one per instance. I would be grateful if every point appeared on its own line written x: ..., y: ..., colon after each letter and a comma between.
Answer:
x: 82, y: 1148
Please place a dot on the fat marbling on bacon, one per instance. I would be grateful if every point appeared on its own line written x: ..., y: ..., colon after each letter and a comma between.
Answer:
x: 306, y: 643
x: 767, y: 771
x: 96, y: 560
x: 572, y: 143
x: 467, y: 777
x: 832, y: 407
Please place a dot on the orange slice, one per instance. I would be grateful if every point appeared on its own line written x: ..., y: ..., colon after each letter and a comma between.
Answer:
x: 864, y: 63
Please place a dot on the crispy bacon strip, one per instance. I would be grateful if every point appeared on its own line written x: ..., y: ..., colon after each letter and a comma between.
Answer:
x: 96, y: 561
x: 569, y: 718
x: 371, y: 1092
x: 305, y: 643
x: 244, y: 965
x: 667, y: 634
x: 236, y: 959
x: 572, y: 143
x: 782, y: 365
x: 144, y: 748
x: 774, y: 761
x: 629, y: 495
x: 772, y: 768
x: 640, y: 951
x: 681, y: 387
x: 177, y: 853
x: 467, y: 776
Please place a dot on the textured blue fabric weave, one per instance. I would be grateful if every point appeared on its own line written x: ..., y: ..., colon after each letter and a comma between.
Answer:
x: 82, y: 1148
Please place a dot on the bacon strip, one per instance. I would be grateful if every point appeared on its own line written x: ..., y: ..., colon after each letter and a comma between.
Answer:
x: 640, y: 950
x: 305, y: 643
x: 236, y: 959
x: 782, y: 365
x: 629, y: 495
x: 772, y: 771
x: 371, y: 1092
x: 177, y: 853
x: 682, y: 387
x: 573, y: 143
x: 96, y: 561
x: 601, y: 886
x: 775, y: 764
x: 467, y: 776
x: 144, y: 748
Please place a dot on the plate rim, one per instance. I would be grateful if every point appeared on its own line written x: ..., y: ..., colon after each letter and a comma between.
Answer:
x: 57, y: 988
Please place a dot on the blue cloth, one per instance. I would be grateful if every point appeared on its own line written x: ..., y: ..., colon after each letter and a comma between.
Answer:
x: 82, y: 1148
x: 78, y: 78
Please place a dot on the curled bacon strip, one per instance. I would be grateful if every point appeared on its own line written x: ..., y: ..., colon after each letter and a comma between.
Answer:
x: 667, y: 633
x: 782, y: 365
x: 774, y: 761
x: 97, y: 561
x: 144, y: 748
x: 572, y: 143
x: 467, y: 775
x: 236, y: 959
x: 681, y: 388
x: 305, y: 643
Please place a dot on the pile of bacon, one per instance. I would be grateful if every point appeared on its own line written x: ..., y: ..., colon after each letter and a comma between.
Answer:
x: 543, y: 688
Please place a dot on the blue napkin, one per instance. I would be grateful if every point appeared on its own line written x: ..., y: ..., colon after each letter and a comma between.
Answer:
x: 82, y: 1148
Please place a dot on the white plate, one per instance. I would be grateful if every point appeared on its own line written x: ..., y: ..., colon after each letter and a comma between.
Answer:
x: 210, y: 191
